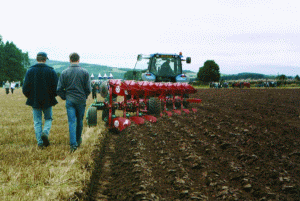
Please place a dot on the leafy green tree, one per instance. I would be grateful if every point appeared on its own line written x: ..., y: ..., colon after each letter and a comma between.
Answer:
x: 209, y: 72
x: 2, y: 72
x: 281, y: 77
x: 13, y: 62
x: 128, y: 75
x: 133, y: 75
x: 297, y: 78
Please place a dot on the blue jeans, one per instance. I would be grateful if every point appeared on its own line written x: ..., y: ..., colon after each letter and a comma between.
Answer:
x: 75, y: 114
x: 37, y: 121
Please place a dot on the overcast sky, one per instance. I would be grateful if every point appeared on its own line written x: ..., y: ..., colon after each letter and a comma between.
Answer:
x: 259, y: 36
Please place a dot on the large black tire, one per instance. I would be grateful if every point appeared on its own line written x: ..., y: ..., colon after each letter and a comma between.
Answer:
x: 154, y: 106
x: 92, y: 116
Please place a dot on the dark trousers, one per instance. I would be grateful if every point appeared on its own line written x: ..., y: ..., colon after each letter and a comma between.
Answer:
x: 12, y: 90
x: 7, y: 90
x: 94, y: 94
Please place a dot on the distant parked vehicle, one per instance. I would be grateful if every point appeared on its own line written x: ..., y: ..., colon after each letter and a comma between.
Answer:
x: 218, y: 85
x: 225, y: 85
x: 241, y: 85
x: 214, y: 85
x: 267, y: 84
x: 272, y: 84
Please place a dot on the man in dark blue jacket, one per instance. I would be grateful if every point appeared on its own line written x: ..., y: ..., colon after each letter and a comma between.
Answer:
x: 39, y: 87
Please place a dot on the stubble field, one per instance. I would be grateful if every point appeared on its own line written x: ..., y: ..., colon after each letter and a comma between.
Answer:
x: 241, y: 144
x: 27, y: 173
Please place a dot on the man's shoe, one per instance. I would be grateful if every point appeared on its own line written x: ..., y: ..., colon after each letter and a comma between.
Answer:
x: 79, y: 143
x: 73, y: 149
x: 46, y: 142
x: 41, y: 146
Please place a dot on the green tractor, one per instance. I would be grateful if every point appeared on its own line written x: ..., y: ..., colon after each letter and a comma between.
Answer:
x: 160, y: 67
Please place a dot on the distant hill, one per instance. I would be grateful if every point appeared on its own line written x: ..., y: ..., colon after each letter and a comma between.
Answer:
x: 244, y: 76
x: 118, y: 73
x: 189, y: 73
x: 94, y: 69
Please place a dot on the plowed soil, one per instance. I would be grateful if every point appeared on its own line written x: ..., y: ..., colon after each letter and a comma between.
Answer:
x: 241, y: 144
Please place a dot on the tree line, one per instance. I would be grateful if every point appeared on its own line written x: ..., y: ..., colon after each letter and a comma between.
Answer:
x: 240, y: 76
x: 13, y: 62
x: 210, y: 72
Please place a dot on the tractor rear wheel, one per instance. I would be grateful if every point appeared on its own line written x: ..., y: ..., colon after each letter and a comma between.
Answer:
x: 92, y: 116
x: 154, y: 106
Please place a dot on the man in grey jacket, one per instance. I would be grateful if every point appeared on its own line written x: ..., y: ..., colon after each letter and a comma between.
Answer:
x: 74, y: 86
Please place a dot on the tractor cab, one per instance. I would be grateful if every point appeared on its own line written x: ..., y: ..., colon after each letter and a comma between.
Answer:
x: 160, y: 68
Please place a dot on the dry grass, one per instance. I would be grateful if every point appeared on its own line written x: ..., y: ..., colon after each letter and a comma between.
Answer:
x: 27, y: 173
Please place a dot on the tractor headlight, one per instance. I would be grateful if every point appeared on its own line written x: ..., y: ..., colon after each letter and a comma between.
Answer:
x: 148, y: 77
x: 182, y: 78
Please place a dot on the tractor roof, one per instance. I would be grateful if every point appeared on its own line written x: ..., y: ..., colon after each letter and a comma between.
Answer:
x: 161, y: 54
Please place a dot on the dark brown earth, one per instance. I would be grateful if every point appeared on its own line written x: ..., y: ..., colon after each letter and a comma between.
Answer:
x: 241, y: 144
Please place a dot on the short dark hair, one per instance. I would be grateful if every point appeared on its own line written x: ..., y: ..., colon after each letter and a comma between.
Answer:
x: 74, y: 57
x: 41, y: 58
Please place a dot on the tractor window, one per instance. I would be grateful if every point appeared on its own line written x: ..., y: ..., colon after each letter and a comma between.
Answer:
x: 142, y: 65
x: 166, y: 66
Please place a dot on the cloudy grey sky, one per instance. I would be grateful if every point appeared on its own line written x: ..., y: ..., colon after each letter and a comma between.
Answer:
x: 259, y: 36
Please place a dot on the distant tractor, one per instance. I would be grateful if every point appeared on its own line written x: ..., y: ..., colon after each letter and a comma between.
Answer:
x: 225, y: 85
x: 271, y: 84
x: 267, y: 84
x: 214, y: 85
x: 160, y: 67
x: 241, y: 85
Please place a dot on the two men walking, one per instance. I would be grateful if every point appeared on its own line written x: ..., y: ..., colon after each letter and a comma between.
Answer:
x: 41, y: 86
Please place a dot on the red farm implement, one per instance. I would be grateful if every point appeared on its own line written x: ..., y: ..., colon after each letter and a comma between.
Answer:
x: 142, y: 101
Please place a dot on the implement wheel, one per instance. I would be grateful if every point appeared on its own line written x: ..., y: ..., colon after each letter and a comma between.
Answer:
x: 105, y: 114
x: 91, y: 116
x: 154, y: 106
x: 185, y: 103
